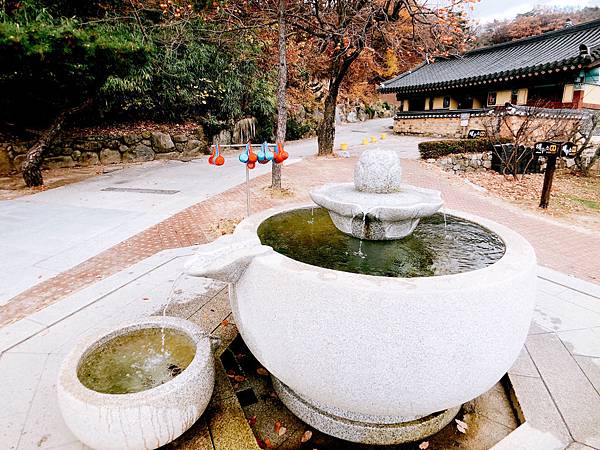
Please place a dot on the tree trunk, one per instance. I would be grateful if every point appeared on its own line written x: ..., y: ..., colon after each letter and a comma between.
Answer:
x: 326, y: 131
x: 281, y: 94
x: 31, y: 167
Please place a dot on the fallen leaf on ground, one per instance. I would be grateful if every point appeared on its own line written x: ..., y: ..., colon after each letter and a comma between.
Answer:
x: 252, y: 421
x: 461, y: 426
x: 268, y: 443
x: 239, y: 378
x: 225, y: 322
x: 282, y: 431
x: 277, y: 426
x: 262, y: 371
x: 424, y: 445
x: 306, y: 436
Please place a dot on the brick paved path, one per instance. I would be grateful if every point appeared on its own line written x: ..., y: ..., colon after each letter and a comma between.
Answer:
x: 557, y: 246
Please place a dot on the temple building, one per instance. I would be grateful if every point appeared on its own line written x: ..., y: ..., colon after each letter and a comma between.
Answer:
x: 558, y: 69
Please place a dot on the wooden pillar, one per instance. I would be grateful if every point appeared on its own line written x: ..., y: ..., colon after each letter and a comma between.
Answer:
x: 548, y: 177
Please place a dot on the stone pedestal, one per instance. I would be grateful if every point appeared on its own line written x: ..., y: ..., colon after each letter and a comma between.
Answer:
x: 361, y: 428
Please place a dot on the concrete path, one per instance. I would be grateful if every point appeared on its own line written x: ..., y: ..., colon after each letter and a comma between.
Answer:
x: 43, y: 235
x: 555, y: 380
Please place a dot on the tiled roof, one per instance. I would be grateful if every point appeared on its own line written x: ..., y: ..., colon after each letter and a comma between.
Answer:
x: 568, y: 48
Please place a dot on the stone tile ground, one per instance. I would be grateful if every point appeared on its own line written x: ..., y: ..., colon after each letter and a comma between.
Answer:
x: 555, y: 380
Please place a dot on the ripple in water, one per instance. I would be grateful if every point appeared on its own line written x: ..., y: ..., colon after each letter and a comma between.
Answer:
x: 430, y: 251
x: 135, y: 362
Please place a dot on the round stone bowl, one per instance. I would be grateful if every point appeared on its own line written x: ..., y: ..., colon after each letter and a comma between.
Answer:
x: 376, y: 359
x: 141, y: 420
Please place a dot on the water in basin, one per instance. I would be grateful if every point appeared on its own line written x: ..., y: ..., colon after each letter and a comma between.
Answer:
x: 433, y: 249
x: 136, y: 362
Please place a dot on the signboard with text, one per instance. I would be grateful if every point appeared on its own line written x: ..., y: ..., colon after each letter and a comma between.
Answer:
x: 474, y: 134
x: 555, y: 148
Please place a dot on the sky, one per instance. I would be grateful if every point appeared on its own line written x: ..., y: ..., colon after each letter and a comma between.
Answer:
x: 488, y: 10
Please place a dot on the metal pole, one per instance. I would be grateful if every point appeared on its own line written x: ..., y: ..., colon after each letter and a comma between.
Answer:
x: 242, y: 145
x: 247, y: 192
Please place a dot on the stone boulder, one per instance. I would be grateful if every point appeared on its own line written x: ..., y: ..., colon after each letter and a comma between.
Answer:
x: 6, y: 165
x: 88, y: 146
x: 57, y: 162
x: 110, y: 156
x: 195, y: 148
x: 362, y: 115
x: 131, y: 139
x: 180, y: 138
x: 162, y: 142
x: 352, y: 117
x: 224, y: 137
x: 138, y: 153
x: 89, y: 159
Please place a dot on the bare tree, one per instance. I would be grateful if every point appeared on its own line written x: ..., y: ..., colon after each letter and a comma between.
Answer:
x: 588, y: 152
x: 515, y: 129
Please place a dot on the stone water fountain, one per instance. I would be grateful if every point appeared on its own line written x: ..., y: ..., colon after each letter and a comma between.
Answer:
x: 376, y: 316
x: 377, y: 206
x: 383, y: 345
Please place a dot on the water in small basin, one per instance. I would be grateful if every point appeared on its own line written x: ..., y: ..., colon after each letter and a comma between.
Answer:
x: 433, y: 249
x: 135, y: 361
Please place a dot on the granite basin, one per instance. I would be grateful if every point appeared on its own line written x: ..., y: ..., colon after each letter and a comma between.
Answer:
x: 353, y: 349
x: 141, y: 420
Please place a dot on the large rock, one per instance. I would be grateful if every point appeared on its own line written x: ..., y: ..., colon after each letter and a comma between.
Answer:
x: 109, y: 156
x: 352, y: 117
x: 178, y: 138
x: 224, y: 137
x: 132, y: 138
x: 195, y: 148
x: 58, y: 162
x: 89, y: 159
x: 89, y: 146
x: 6, y: 165
x: 162, y: 142
x: 138, y: 153
x: 113, y: 144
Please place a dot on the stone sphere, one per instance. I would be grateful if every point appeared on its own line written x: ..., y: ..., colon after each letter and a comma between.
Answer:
x: 378, y: 171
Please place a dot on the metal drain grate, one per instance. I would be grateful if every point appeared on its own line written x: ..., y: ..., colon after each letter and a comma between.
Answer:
x: 141, y: 191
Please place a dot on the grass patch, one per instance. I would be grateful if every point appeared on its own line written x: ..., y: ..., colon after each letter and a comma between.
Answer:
x: 591, y: 204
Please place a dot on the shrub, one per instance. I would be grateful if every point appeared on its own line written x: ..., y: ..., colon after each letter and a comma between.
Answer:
x: 296, y: 129
x: 437, y: 149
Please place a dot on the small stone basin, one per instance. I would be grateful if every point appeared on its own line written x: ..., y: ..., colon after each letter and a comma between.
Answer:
x: 139, y: 386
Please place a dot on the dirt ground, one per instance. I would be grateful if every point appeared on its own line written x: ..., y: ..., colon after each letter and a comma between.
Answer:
x: 575, y: 199
x: 13, y: 186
